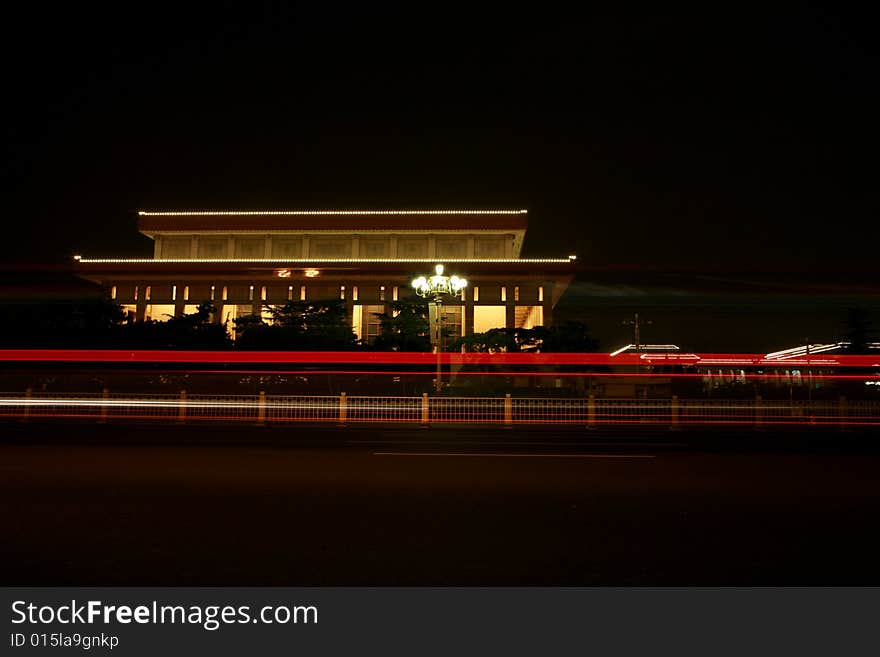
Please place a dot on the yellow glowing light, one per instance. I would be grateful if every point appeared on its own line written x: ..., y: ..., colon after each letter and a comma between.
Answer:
x: 283, y: 273
x: 311, y: 273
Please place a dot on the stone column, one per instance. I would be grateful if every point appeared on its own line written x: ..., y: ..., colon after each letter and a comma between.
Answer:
x: 140, y: 304
x: 547, y: 303
x: 468, y: 326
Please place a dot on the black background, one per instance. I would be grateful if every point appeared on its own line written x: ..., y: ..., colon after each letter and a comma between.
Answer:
x: 729, y: 137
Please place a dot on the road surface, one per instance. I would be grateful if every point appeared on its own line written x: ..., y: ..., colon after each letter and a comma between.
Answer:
x: 150, y: 505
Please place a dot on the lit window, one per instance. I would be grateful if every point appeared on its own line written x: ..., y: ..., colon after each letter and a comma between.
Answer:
x: 541, y: 293
x: 372, y: 323
x: 381, y: 293
x: 186, y: 292
x: 290, y: 292
x: 357, y: 320
x: 528, y: 317
x: 174, y: 293
x: 489, y: 317
x: 225, y: 293
x: 135, y: 292
x: 148, y: 293
x: 503, y: 293
x: 263, y: 293
x: 302, y: 292
x: 394, y: 293
x: 251, y: 294
x: 342, y: 292
x: 452, y: 321
x: 212, y: 293
x: 113, y: 292
x: 354, y: 293
x: 516, y: 293
x: 477, y: 293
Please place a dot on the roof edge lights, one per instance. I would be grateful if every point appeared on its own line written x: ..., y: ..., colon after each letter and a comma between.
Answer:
x: 322, y: 260
x: 236, y: 213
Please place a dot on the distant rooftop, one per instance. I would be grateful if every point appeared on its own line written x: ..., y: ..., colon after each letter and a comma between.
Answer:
x: 812, y: 349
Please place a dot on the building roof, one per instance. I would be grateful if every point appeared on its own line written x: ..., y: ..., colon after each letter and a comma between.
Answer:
x: 150, y: 222
x: 148, y: 267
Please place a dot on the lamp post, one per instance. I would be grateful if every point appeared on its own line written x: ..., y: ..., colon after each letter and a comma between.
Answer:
x: 637, y: 323
x: 435, y: 288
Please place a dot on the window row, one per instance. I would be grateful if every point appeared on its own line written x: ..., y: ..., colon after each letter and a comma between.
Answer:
x: 282, y: 247
x: 279, y: 294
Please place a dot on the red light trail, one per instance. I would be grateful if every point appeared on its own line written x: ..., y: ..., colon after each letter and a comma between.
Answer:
x: 413, y: 358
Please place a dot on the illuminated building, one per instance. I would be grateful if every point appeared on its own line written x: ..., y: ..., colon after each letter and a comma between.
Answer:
x: 245, y: 261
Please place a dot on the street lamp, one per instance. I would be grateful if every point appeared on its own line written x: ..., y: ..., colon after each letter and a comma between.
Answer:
x: 637, y: 323
x: 435, y: 288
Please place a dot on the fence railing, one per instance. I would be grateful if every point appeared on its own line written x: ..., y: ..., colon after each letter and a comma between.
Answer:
x: 426, y: 410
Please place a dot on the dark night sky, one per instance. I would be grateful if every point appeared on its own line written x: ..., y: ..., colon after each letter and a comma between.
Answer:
x: 731, y: 139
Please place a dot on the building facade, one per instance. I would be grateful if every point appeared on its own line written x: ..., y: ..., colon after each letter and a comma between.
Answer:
x: 243, y: 262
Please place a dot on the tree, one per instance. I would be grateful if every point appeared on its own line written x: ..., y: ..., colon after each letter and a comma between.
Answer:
x: 77, y: 323
x: 197, y: 329
x: 858, y: 331
x: 571, y: 336
x: 318, y: 325
x: 491, y: 341
x: 192, y: 330
x: 406, y: 327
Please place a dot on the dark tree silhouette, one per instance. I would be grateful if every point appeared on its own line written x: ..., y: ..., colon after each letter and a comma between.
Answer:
x: 190, y: 331
x: 305, y: 325
x: 80, y: 323
x: 571, y: 336
x: 858, y: 331
x: 493, y: 340
x: 406, y: 327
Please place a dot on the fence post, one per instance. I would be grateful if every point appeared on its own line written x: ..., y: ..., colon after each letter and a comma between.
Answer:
x: 508, y: 411
x: 759, y: 413
x: 591, y: 412
x: 673, y: 410
x: 181, y: 408
x: 28, y: 394
x: 105, y: 395
x: 261, y: 409
x: 342, y: 409
x: 843, y: 412
x: 425, y: 414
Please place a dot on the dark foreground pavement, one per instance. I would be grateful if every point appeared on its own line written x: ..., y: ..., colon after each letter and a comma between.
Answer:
x: 306, y: 506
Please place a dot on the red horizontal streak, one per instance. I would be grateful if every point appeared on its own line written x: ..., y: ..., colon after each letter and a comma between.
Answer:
x: 415, y: 358
x: 805, y: 378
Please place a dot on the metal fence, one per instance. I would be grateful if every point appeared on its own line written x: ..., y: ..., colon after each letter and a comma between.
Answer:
x: 426, y: 410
